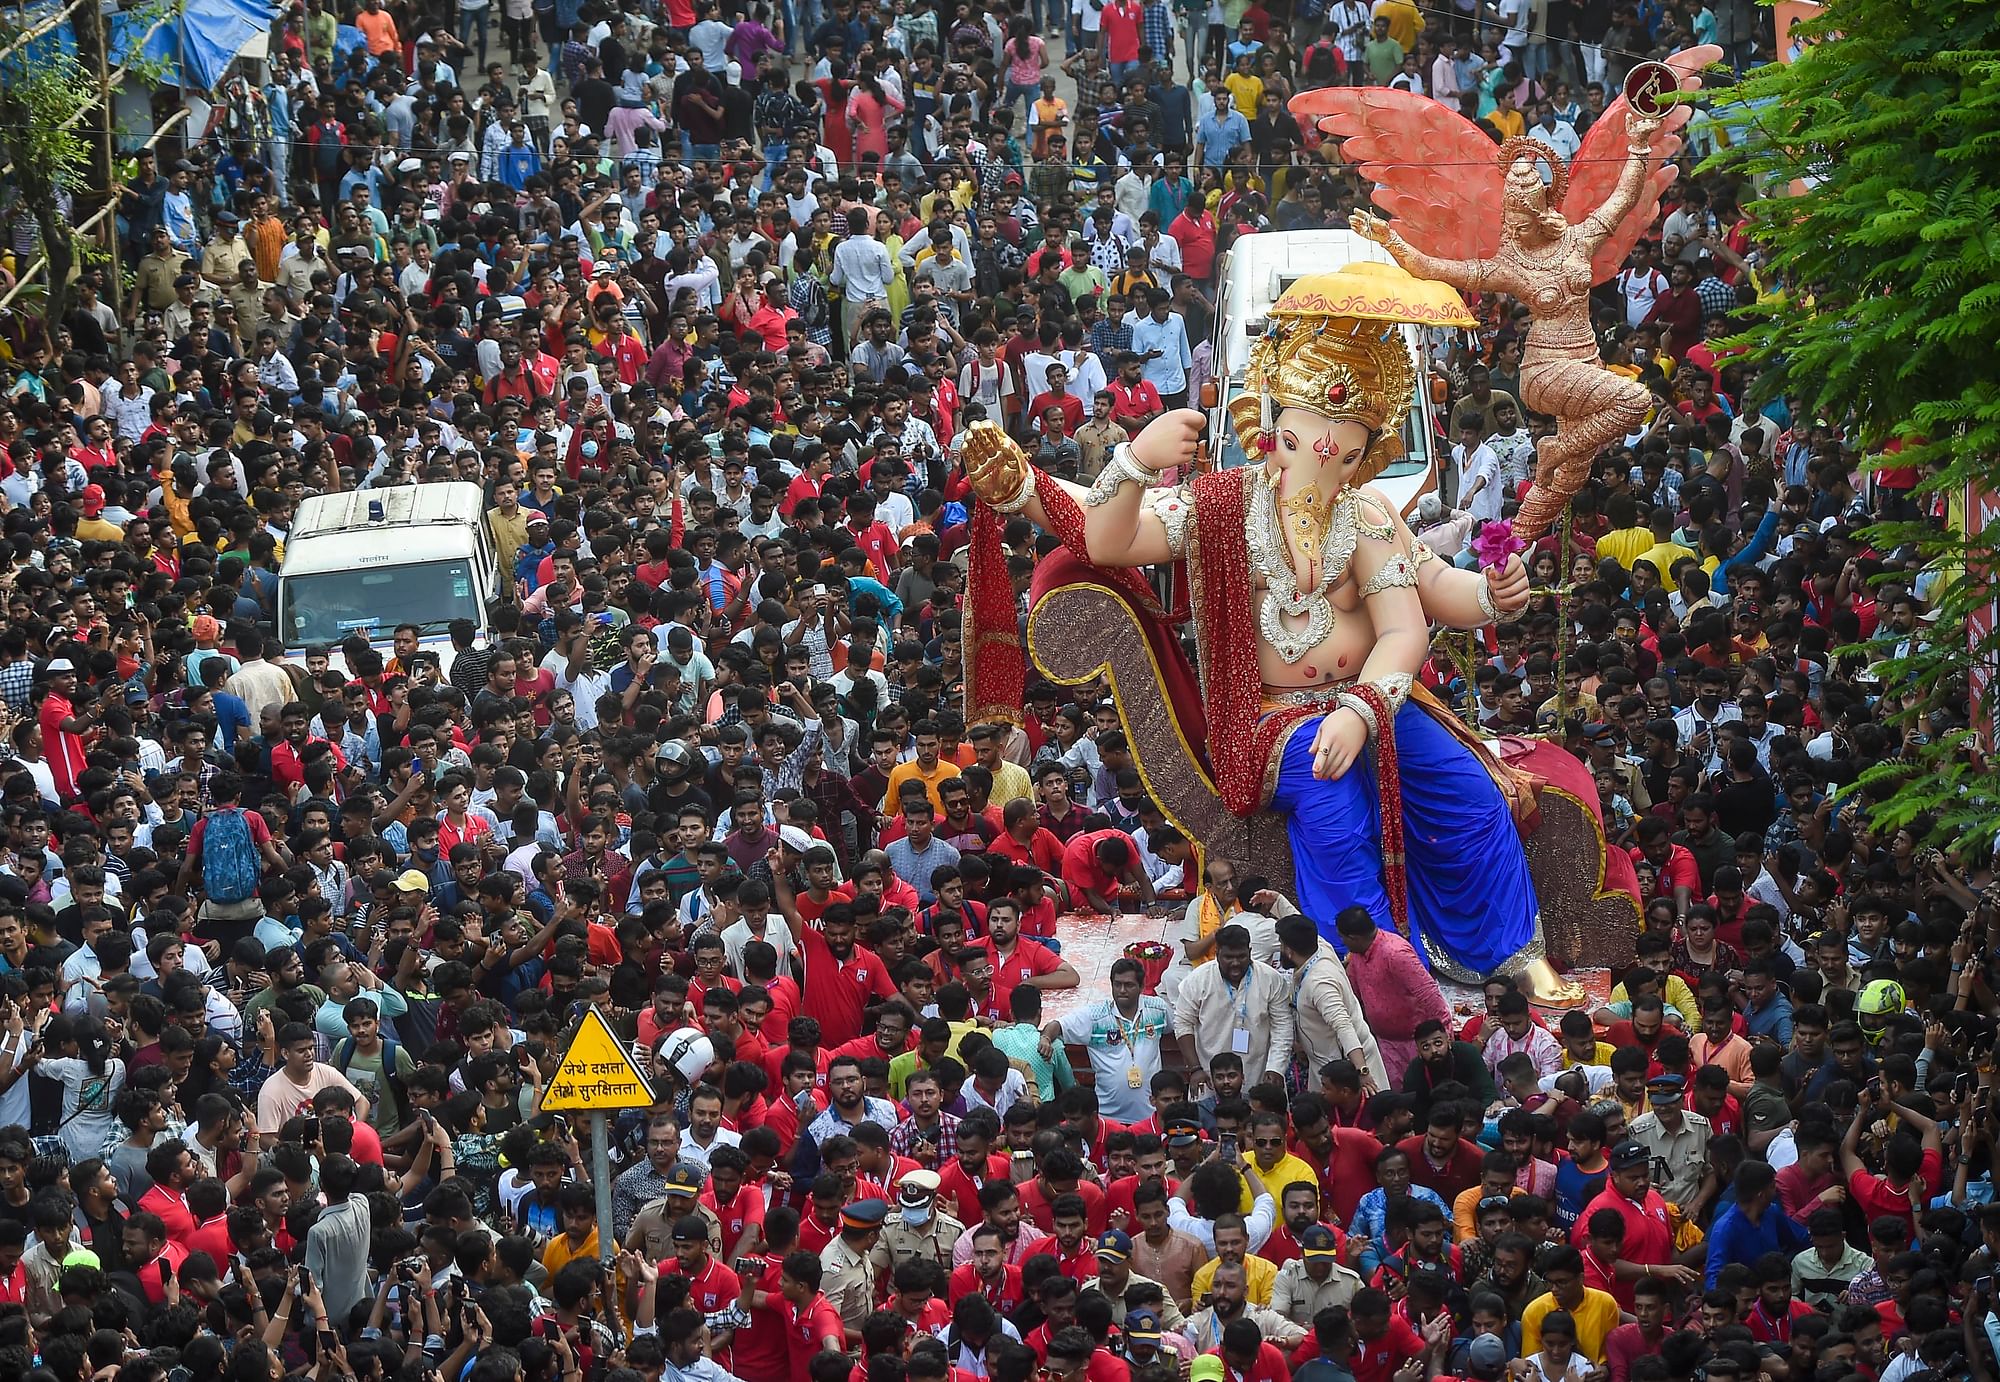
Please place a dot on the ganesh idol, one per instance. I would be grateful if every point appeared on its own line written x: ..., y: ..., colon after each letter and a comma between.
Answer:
x: 1312, y: 604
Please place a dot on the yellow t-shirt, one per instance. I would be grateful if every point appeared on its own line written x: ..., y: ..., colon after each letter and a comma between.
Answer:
x: 1595, y: 1318
x: 1626, y: 544
x: 1405, y: 21
x: 1287, y: 1170
x: 1511, y: 123
x: 1663, y: 555
x: 1246, y: 89
x: 913, y: 771
x: 1258, y: 1275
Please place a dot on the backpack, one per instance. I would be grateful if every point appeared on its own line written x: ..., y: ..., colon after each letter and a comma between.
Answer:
x: 1322, y: 62
x: 343, y: 1056
x: 230, y: 865
x: 328, y: 140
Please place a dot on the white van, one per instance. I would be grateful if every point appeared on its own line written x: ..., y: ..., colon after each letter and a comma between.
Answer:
x: 365, y: 561
x: 1256, y: 271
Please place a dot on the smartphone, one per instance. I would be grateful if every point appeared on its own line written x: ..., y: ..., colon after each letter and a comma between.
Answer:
x: 311, y: 1132
x: 1984, y: 1285
x: 326, y: 1341
x: 166, y: 1271
x: 305, y: 1281
x: 1228, y: 1144
x: 748, y: 1266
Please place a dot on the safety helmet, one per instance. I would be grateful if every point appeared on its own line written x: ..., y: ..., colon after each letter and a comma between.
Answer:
x: 1880, y: 1004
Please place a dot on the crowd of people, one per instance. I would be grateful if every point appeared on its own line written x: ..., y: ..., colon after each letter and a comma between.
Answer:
x: 705, y: 297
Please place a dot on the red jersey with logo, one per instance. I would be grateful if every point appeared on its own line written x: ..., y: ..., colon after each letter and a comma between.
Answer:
x: 746, y: 1209
x: 1005, y: 1296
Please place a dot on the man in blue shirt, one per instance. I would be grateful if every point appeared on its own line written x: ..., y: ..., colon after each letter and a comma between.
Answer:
x: 1160, y: 339
x: 1221, y: 130
x: 1754, y: 1225
x: 1766, y: 1010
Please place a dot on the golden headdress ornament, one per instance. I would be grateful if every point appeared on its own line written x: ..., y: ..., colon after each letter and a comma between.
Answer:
x: 1332, y: 345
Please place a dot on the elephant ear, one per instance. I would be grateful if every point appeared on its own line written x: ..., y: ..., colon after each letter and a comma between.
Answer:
x: 1434, y: 171
x: 1595, y: 170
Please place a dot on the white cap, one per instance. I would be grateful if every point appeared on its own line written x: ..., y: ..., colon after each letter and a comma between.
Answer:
x: 63, y: 664
x: 795, y: 838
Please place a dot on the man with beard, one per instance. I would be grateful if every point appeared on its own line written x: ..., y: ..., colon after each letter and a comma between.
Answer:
x: 1236, y: 1005
x: 1017, y: 960
x: 1441, y: 1060
x: 1115, y: 1276
x: 1229, y: 1302
x: 1330, y: 1025
x: 1314, y: 1280
x: 848, y: 1105
x: 999, y: 1210
x: 841, y: 977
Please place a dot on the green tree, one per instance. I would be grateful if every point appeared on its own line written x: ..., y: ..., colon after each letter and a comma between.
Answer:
x: 1891, y: 316
x: 48, y: 134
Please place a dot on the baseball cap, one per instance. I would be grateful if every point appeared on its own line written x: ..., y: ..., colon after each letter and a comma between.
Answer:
x: 58, y: 666
x: 1207, y: 1368
x: 92, y: 500
x: 1317, y: 1241
x: 1142, y: 1324
x: 412, y: 881
x: 1486, y: 1351
x: 1115, y: 1244
x: 683, y: 1179
x: 1626, y: 1155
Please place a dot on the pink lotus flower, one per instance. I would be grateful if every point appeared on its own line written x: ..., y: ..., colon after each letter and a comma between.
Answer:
x: 1495, y: 543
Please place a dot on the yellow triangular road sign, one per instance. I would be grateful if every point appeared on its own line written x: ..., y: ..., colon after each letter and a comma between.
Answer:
x: 597, y: 1073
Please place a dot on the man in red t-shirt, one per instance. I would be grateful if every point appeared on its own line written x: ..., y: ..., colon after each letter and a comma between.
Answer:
x: 1382, y: 1342
x: 1120, y: 24
x: 1911, y: 1170
x: 1134, y: 400
x: 811, y: 1322
x: 1018, y: 960
x: 871, y: 535
x: 63, y: 726
x: 1103, y: 872
x: 1649, y: 1238
x: 841, y: 976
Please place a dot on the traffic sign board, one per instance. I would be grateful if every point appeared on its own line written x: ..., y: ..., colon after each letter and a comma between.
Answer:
x: 596, y: 1073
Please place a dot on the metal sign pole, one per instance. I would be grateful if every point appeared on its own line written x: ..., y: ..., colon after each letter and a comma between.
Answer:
x: 600, y: 1173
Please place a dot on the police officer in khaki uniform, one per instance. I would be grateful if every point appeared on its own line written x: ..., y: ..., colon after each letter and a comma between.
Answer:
x: 918, y: 1231
x: 652, y: 1230
x: 1115, y: 1276
x: 847, y: 1273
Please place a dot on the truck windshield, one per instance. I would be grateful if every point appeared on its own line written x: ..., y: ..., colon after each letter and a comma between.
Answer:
x: 328, y: 606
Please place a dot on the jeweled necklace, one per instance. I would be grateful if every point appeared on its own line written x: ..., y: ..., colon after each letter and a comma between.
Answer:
x: 1282, y: 597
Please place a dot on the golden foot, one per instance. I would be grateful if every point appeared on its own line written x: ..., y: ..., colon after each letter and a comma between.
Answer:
x: 1547, y: 989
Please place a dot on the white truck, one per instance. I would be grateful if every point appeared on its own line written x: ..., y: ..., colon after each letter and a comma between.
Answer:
x: 1256, y: 271
x: 367, y: 561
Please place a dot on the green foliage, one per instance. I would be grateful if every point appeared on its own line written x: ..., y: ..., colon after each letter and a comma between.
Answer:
x: 40, y: 102
x: 1892, y: 318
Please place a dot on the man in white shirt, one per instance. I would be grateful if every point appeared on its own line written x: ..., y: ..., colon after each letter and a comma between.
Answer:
x: 1640, y: 284
x: 1477, y: 470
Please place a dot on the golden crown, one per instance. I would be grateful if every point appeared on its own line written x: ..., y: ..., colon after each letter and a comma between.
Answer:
x: 1349, y: 370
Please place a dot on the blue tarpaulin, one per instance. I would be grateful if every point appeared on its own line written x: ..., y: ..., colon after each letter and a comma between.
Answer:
x: 210, y: 33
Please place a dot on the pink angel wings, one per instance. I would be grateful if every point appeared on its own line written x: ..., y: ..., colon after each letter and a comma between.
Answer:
x: 1435, y: 171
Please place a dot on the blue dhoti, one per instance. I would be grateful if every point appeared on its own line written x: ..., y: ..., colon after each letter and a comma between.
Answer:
x: 1472, y: 903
